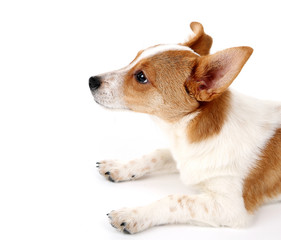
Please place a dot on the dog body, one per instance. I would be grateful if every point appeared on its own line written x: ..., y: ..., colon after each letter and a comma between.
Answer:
x: 226, y: 144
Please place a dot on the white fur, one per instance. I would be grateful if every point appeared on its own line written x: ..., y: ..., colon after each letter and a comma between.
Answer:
x: 217, y: 166
x: 110, y: 94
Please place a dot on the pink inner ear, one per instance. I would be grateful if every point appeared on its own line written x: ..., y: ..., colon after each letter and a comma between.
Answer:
x: 212, y: 78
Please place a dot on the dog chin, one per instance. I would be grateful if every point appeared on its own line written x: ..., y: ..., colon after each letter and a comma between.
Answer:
x: 111, y: 106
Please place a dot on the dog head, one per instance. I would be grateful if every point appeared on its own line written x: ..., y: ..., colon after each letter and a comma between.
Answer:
x: 170, y: 81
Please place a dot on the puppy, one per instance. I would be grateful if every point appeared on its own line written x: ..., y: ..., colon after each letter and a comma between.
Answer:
x: 224, y: 143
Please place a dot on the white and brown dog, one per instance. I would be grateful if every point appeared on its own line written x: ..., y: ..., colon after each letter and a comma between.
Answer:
x: 226, y: 144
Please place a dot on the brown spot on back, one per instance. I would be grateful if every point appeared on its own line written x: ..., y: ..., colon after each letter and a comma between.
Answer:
x: 153, y: 160
x: 264, y: 181
x: 210, y: 119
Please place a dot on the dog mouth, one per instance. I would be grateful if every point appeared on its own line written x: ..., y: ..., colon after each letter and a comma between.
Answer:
x: 102, y: 105
x: 98, y: 101
x: 110, y: 105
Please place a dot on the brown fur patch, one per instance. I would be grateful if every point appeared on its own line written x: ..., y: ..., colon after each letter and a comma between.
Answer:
x: 165, y: 94
x: 264, y: 181
x: 201, y: 42
x: 210, y: 120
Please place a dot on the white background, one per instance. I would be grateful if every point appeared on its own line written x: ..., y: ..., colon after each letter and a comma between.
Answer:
x: 52, y: 132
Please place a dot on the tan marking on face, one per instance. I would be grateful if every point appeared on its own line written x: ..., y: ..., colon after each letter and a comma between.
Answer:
x: 164, y: 95
x: 264, y: 180
x: 210, y: 120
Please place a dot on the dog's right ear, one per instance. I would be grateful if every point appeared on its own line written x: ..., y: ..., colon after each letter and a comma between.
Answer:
x: 201, y: 42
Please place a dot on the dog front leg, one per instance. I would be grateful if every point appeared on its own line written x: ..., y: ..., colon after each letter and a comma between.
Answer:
x: 203, y: 209
x: 117, y: 171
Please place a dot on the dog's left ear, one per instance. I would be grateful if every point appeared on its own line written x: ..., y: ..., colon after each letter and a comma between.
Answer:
x: 213, y: 74
x: 201, y: 42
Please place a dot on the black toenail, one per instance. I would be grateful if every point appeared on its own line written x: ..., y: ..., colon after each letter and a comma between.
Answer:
x: 126, y: 231
x: 123, y: 224
x: 110, y: 179
x: 107, y: 173
x: 113, y: 225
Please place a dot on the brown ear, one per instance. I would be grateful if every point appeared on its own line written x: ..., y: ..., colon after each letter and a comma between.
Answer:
x: 200, y: 42
x: 212, y: 74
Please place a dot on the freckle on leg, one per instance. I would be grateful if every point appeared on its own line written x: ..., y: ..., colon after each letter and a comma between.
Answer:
x: 172, y: 209
x: 180, y: 202
x: 146, y: 169
x: 153, y: 160
x: 206, y: 209
x: 192, y: 214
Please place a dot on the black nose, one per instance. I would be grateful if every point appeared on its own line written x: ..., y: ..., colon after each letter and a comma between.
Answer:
x: 94, y: 82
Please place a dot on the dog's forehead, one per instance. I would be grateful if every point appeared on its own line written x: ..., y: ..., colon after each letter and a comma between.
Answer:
x: 153, y: 51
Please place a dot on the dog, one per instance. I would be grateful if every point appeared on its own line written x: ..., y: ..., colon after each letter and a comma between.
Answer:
x: 226, y: 144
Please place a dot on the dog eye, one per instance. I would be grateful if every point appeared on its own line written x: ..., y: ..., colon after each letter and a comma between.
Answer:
x: 141, y: 78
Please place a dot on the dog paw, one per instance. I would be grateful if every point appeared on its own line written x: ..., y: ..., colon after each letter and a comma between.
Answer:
x: 115, y: 171
x: 128, y: 221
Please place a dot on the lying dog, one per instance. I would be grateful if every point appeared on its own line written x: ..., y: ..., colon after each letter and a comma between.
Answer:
x: 226, y: 144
